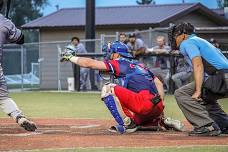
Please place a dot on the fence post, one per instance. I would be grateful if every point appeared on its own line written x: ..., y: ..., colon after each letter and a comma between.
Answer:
x: 117, y: 36
x: 58, y: 67
x: 150, y: 36
x: 76, y: 70
x: 172, y: 72
x: 102, y: 40
x: 22, y: 68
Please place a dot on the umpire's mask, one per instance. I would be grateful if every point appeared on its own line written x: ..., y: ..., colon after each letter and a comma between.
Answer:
x: 176, y: 30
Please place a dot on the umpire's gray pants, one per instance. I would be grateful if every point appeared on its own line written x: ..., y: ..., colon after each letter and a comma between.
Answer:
x: 199, y: 114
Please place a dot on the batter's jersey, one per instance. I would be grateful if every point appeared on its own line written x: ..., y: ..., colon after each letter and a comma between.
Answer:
x: 8, y: 33
x: 132, y: 75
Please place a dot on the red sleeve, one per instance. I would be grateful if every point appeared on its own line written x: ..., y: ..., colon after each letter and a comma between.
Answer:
x: 113, y: 67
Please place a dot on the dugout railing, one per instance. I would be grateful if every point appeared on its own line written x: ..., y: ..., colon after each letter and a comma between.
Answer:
x: 170, y: 56
x: 37, y: 66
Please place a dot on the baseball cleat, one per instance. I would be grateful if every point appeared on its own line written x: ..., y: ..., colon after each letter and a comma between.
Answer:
x: 26, y: 124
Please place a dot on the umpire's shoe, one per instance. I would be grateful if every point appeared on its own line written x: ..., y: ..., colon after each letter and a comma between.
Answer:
x: 25, y: 123
x: 209, y: 130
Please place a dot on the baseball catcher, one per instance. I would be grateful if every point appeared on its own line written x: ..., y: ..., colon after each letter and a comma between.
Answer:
x: 137, y: 99
x: 9, y: 33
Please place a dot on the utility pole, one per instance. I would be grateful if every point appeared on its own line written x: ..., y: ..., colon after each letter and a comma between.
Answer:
x: 90, y: 33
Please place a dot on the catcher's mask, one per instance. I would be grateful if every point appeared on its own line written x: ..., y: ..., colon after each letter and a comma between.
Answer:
x: 4, y: 7
x: 176, y: 30
x: 116, y: 47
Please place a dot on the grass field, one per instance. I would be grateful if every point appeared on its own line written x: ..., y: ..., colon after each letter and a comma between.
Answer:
x: 160, y: 149
x: 89, y: 105
x: 77, y: 105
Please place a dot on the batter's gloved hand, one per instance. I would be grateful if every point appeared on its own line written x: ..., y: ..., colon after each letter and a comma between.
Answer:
x: 67, y: 54
x: 26, y: 124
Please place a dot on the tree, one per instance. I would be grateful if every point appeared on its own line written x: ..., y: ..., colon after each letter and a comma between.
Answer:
x: 225, y: 3
x: 145, y: 2
x: 23, y: 11
x: 222, y: 3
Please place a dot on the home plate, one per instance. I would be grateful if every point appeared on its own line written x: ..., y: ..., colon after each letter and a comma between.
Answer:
x: 86, y: 126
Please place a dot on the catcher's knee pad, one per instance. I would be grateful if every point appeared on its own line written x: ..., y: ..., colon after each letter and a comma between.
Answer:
x: 107, y: 89
x: 108, y: 97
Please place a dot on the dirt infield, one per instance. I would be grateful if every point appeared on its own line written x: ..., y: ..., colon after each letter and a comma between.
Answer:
x: 69, y: 133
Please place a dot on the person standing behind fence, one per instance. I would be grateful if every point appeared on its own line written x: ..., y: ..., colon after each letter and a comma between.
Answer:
x: 9, y: 33
x: 123, y: 38
x: 78, y: 47
x: 161, y: 64
x: 183, y: 72
x: 136, y: 46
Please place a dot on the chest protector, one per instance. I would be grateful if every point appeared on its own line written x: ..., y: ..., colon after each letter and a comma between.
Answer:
x: 137, y: 70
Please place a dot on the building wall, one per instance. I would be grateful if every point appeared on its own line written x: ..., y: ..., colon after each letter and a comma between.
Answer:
x: 197, y: 19
x: 49, y: 75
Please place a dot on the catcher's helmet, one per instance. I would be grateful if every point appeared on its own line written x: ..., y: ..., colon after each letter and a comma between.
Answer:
x: 116, y: 47
x: 120, y: 48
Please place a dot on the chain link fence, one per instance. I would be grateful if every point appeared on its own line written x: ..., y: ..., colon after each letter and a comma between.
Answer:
x: 37, y: 66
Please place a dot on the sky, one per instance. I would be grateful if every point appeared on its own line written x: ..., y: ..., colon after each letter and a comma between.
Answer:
x: 99, y: 3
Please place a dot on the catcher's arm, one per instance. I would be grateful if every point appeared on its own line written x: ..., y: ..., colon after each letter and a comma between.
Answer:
x: 83, y: 61
x: 159, y: 86
x: 88, y: 63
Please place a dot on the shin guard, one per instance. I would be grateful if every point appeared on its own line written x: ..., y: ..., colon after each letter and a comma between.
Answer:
x: 110, y: 103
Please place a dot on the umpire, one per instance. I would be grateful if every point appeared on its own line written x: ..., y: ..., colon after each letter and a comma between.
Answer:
x: 198, y: 99
x: 9, y: 33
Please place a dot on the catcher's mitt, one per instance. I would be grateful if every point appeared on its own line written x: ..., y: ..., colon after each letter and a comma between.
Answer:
x: 67, y: 54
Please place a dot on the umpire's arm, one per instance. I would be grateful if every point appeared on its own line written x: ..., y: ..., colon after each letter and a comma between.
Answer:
x: 88, y: 63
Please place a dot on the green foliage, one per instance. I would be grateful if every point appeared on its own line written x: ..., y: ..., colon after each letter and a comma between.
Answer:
x: 225, y: 3
x: 145, y: 2
x: 158, y: 149
x: 222, y: 3
x: 77, y: 105
x: 23, y: 11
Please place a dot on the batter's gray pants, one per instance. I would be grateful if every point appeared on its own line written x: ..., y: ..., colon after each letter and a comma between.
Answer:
x: 199, y: 114
x: 7, y: 105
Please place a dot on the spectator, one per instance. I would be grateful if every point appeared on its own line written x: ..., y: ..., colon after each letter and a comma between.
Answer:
x: 183, y: 72
x: 78, y: 47
x: 214, y: 42
x: 123, y: 38
x: 162, y: 64
x: 136, y: 46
